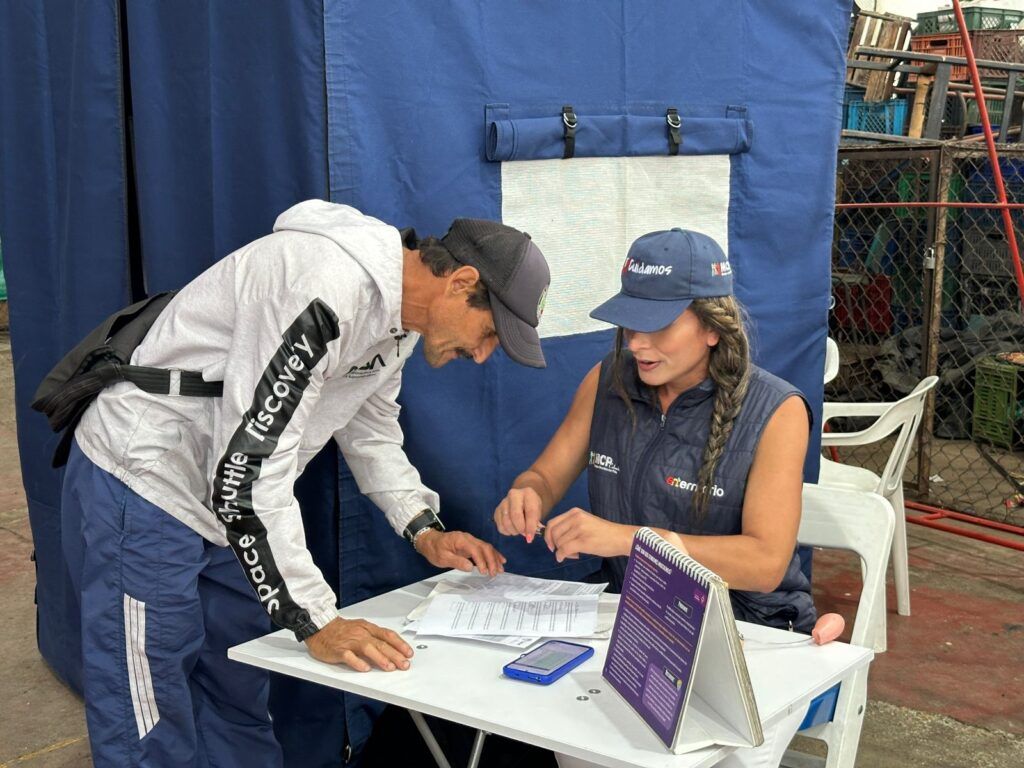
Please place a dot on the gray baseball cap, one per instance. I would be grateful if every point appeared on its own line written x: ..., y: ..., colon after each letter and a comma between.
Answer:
x: 516, y: 275
x: 662, y: 275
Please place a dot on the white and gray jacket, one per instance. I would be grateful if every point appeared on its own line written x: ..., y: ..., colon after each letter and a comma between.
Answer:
x: 304, y: 328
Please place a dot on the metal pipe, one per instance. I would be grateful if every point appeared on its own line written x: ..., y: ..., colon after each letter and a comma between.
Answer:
x: 931, y: 523
x: 973, y: 519
x: 934, y: 272
x: 989, y: 94
x: 990, y: 142
x: 478, y: 748
x: 934, y: 58
x: 936, y: 204
x: 428, y: 737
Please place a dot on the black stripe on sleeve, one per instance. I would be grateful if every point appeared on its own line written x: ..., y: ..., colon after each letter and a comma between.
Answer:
x: 277, y: 396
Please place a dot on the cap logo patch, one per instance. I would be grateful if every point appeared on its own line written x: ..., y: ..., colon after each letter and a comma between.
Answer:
x: 640, y: 268
x: 721, y: 268
x: 541, y: 302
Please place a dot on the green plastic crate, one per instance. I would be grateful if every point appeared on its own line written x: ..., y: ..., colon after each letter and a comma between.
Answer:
x: 938, y: 22
x: 914, y: 185
x: 997, y: 406
x: 995, y: 111
x: 908, y: 286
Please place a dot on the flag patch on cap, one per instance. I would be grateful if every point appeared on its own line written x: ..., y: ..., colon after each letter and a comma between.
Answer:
x: 721, y: 268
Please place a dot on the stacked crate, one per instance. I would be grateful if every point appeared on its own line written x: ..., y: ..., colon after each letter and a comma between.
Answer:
x: 940, y: 22
x: 996, y: 34
x: 889, y: 117
x: 998, y: 410
x: 988, y: 283
x: 872, y: 110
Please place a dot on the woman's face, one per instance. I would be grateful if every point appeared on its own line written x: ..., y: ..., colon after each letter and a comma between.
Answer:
x: 676, y: 356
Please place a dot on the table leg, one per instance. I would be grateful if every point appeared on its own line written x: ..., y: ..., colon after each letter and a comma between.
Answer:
x: 478, y: 747
x: 428, y: 737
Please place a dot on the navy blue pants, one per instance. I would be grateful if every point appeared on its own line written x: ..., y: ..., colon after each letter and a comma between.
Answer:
x: 160, y: 606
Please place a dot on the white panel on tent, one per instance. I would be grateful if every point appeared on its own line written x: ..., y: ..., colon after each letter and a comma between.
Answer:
x: 585, y: 213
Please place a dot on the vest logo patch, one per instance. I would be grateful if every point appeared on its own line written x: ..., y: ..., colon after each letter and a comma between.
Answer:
x: 366, y: 369
x: 604, y: 463
x: 686, y: 485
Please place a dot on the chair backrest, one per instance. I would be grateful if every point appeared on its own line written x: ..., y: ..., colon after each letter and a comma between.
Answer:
x: 860, y: 522
x: 831, y: 359
x: 905, y: 415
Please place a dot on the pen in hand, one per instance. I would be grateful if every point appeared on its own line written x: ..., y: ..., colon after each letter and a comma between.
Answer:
x: 539, y: 530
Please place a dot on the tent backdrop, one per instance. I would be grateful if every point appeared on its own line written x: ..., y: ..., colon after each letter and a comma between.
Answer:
x: 140, y: 142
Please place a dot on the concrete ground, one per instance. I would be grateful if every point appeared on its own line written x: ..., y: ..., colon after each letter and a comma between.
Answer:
x: 949, y: 693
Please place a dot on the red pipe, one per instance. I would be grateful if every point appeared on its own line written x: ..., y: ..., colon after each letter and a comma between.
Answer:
x: 929, y: 523
x: 990, y: 142
x: 930, y: 520
x: 1003, y: 206
x: 973, y: 519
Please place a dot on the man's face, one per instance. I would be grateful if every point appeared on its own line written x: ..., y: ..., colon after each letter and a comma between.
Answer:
x: 455, y: 328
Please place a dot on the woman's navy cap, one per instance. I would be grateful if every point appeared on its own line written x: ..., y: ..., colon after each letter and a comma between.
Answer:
x: 663, y: 273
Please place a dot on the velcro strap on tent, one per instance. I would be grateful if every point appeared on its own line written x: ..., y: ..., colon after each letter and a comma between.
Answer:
x: 569, y: 123
x: 674, y: 136
x: 540, y: 132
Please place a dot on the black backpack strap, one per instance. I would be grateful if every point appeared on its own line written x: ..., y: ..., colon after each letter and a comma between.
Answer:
x: 100, y: 360
x: 165, y: 381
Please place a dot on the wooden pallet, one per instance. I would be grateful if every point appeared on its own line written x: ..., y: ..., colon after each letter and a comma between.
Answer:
x: 877, y: 30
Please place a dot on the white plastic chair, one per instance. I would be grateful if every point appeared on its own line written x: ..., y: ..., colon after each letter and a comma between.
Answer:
x: 863, y: 523
x: 903, y: 416
x: 831, y: 359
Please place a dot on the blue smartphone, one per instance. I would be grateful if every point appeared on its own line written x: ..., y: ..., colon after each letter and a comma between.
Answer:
x: 548, y: 662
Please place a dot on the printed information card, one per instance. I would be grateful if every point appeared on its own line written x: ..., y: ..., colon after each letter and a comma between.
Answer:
x: 654, y: 643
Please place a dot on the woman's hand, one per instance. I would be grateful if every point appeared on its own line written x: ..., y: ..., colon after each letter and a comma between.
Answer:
x: 577, y: 532
x: 519, y: 513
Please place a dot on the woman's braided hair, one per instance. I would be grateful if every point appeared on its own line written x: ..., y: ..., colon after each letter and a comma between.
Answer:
x: 729, y: 369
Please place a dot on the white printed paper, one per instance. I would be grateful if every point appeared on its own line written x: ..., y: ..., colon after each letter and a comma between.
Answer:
x: 456, y: 615
x: 504, y: 586
x: 508, y: 640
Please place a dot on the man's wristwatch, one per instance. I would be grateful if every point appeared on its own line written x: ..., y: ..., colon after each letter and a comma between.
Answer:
x: 424, y: 521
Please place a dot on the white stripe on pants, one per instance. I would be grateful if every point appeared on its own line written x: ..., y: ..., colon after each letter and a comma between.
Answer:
x: 139, y: 680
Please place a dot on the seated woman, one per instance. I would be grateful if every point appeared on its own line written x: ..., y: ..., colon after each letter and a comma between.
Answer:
x: 683, y: 434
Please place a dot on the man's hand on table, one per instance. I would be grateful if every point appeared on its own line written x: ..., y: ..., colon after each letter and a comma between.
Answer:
x: 459, y: 550
x: 359, y: 644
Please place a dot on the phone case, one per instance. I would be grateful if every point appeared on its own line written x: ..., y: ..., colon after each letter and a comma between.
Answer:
x: 550, y: 677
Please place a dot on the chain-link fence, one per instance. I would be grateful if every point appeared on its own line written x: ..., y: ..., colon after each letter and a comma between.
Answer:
x: 925, y: 290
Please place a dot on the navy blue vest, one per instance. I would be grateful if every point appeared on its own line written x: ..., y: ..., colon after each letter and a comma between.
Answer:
x: 647, y: 476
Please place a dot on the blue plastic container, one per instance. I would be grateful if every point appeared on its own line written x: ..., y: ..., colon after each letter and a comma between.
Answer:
x: 887, y: 117
x: 851, y: 93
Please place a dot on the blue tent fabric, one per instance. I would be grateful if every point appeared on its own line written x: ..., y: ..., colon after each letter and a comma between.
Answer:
x: 230, y: 125
x: 785, y: 65
x: 241, y: 109
x: 625, y: 134
x: 64, y: 229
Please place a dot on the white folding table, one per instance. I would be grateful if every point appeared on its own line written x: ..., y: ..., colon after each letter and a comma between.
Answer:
x: 579, y: 715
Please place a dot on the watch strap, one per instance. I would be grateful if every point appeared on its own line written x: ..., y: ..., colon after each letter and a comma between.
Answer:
x: 425, y: 519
